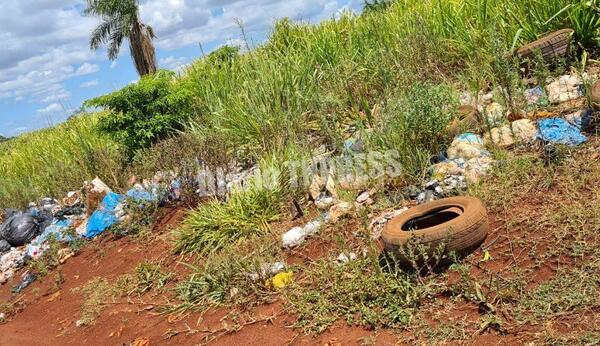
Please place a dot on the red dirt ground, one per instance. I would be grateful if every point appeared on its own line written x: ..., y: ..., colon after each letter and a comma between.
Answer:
x: 47, y: 314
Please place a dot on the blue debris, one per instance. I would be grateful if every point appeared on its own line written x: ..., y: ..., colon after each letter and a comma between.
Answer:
x: 105, y: 216
x: 469, y: 137
x: 38, y: 246
x: 141, y: 195
x: 536, y: 96
x: 559, y: 131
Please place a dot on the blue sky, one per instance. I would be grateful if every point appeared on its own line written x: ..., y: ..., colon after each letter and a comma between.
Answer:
x: 47, y: 69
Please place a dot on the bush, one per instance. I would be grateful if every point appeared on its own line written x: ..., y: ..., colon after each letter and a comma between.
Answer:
x: 415, y: 124
x: 215, y: 225
x: 144, y: 112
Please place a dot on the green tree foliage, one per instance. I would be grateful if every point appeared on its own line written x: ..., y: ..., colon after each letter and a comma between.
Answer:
x: 144, y: 112
x: 120, y: 21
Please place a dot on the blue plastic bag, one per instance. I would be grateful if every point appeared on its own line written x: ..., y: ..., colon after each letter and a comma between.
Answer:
x: 470, y: 138
x: 38, y: 246
x: 559, y: 131
x: 141, y: 195
x: 104, y: 217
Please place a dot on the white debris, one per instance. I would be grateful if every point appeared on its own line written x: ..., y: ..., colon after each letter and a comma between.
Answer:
x: 293, y: 237
x: 298, y: 235
x: 324, y: 202
x: 467, y: 146
x: 494, y: 113
x: 520, y: 131
x: 376, y: 226
x: 345, y: 258
x: 266, y: 270
x: 565, y: 88
x: 363, y: 197
x: 10, y: 262
x: 339, y: 210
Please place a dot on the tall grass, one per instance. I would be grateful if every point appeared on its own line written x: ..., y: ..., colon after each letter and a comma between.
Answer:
x: 54, y: 161
x: 290, y: 90
x: 341, y: 68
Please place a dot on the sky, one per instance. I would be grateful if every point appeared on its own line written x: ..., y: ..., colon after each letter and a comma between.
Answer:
x: 47, y: 68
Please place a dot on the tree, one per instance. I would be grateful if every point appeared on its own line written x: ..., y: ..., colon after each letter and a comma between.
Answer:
x: 121, y: 20
x: 376, y: 5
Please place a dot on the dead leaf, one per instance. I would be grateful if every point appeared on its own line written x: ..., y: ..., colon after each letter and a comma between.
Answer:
x: 141, y: 342
x: 53, y: 297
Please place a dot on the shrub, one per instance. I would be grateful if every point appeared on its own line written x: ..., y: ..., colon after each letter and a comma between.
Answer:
x: 145, y: 112
x: 215, y: 225
x: 414, y: 124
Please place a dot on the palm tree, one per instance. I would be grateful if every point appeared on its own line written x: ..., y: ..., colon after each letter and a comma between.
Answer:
x: 121, y: 20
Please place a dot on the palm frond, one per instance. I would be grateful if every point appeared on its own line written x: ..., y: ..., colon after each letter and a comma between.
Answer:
x: 116, y: 39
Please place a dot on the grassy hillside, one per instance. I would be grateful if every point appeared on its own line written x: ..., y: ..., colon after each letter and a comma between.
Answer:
x: 306, y: 86
x: 53, y: 161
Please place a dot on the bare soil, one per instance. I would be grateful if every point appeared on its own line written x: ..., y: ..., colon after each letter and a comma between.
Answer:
x: 46, y: 313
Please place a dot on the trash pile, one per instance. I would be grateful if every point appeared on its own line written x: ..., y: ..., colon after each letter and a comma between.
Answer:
x: 467, y: 160
x: 26, y: 235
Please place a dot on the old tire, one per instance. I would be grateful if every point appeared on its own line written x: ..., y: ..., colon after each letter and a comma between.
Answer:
x: 552, y: 46
x: 456, y: 225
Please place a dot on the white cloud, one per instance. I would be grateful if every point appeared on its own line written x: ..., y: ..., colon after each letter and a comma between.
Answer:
x: 173, y: 63
x: 43, y: 43
x: 59, y: 95
x: 52, y: 108
x: 87, y: 68
x: 179, y: 23
x: 89, y: 84
x: 46, y: 42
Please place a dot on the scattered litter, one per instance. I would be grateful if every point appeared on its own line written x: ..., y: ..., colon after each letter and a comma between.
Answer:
x: 565, y: 88
x: 281, y: 280
x: 339, y: 211
x: 20, y: 229
x: 477, y: 168
x: 425, y: 197
x: 139, y: 194
x: 105, y: 216
x: 519, y: 131
x: 293, y: 237
x: 10, y: 262
x: 2, y: 317
x: 535, y: 96
x: 316, y: 186
x: 324, y: 201
x: 494, y: 114
x: 267, y: 270
x: 344, y: 258
x: 448, y: 167
x: 467, y: 146
x: 49, y: 205
x: 376, y: 226
x: 363, y: 197
x: 297, y: 235
x: 64, y: 254
x: 99, y: 186
x: 580, y: 119
x: 39, y: 245
x: 559, y: 131
x: 28, y: 279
